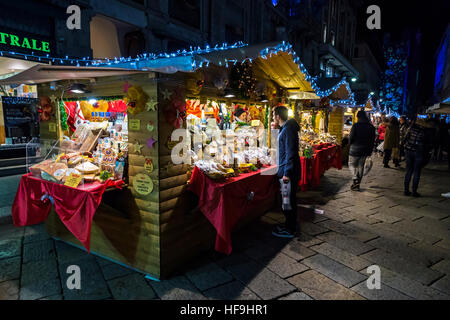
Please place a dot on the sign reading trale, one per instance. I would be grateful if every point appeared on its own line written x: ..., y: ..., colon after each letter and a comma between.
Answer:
x: 13, y: 40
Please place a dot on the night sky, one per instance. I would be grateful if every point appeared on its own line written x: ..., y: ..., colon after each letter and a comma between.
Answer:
x: 430, y: 17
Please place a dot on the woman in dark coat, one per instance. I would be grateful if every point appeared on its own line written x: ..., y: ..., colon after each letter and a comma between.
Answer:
x: 391, y: 141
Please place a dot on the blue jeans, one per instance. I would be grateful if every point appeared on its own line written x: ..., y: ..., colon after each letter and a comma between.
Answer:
x: 414, y: 161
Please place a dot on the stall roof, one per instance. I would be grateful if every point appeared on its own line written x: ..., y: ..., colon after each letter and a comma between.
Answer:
x: 337, y: 89
x: 46, y: 73
x: 440, y: 108
x: 277, y: 60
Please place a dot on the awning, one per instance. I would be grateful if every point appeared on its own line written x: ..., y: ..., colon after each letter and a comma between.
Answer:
x: 440, y: 108
x: 277, y: 60
x: 46, y: 73
x: 337, y: 90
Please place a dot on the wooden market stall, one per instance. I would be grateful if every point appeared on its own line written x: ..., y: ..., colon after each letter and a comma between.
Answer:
x: 153, y: 224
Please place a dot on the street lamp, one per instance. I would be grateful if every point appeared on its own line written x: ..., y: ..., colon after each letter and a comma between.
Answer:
x: 354, y: 79
x: 372, y: 93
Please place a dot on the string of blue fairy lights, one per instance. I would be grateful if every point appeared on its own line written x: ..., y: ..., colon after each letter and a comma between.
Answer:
x: 193, y: 51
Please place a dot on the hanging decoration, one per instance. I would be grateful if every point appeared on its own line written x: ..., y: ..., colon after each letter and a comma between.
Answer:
x: 126, y: 87
x: 166, y: 94
x: 175, y: 111
x: 64, y: 116
x: 150, y: 126
x: 151, y: 142
x: 142, y: 184
x: 136, y: 100
x: 45, y: 109
x: 151, y: 105
x: 148, y: 165
x: 138, y: 147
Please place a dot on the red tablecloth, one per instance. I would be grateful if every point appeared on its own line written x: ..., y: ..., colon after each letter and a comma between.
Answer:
x: 225, y: 203
x: 75, y: 206
x: 325, y: 157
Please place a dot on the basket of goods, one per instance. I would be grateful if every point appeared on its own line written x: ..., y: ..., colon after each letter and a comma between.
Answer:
x: 214, y: 170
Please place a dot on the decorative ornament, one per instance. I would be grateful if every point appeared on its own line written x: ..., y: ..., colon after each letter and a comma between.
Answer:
x: 150, y: 126
x: 175, y: 111
x: 45, y: 109
x: 64, y: 116
x: 138, y: 147
x: 136, y: 100
x: 166, y: 94
x: 151, y: 105
x: 195, y: 82
x: 148, y: 165
x: 53, y: 99
x: 151, y: 142
x: 142, y: 184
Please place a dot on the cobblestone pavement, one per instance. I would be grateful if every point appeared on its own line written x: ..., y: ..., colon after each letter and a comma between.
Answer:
x: 407, y: 238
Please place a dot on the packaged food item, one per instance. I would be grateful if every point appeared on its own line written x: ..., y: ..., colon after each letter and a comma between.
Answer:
x: 87, y: 168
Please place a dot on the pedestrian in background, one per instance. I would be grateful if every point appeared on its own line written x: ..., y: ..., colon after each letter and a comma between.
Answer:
x: 362, y: 140
x: 418, y: 142
x: 382, y: 132
x: 391, y: 142
x: 403, y: 128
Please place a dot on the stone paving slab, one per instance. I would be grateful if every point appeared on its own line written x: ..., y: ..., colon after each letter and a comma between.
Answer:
x: 443, y: 285
x: 131, y: 287
x: 176, y: 288
x: 39, y: 279
x: 296, y: 296
x: 349, y: 230
x: 407, y: 268
x: 408, y: 253
x: 231, y: 291
x: 114, y: 270
x: 352, y: 261
x: 345, y: 243
x: 442, y: 266
x: 93, y: 285
x: 39, y: 250
x: 256, y: 277
x: 9, y: 290
x: 320, y: 287
x: 410, y: 287
x: 10, y: 269
x: 35, y: 233
x: 385, y: 293
x: 283, y: 265
x: 334, y: 270
x: 207, y: 276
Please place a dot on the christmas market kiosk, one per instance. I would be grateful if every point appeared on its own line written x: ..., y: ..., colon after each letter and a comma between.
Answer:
x: 152, y: 161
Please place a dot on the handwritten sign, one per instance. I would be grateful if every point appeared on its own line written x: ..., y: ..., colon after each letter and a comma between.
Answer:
x: 52, y: 127
x: 134, y: 124
x: 142, y: 184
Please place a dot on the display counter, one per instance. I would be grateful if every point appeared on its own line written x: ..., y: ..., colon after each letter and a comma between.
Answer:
x: 226, y: 203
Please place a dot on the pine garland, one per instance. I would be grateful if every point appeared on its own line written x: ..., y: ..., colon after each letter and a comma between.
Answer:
x: 64, y: 116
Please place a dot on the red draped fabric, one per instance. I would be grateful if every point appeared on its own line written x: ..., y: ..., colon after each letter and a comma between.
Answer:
x: 224, y: 204
x: 75, y: 206
x: 325, y: 157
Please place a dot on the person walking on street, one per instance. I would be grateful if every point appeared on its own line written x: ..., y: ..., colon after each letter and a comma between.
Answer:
x: 288, y: 167
x: 362, y: 140
x: 403, y: 129
x: 418, y: 142
x: 391, y: 142
x: 382, y: 131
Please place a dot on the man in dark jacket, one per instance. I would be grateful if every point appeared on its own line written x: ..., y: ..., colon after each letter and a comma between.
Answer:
x: 362, y: 140
x: 288, y: 167
x: 419, y: 140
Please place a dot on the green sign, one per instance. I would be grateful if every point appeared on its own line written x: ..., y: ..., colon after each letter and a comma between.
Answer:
x: 23, y: 42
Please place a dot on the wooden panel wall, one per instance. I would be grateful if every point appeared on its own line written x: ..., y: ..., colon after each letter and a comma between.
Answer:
x: 185, y: 232
x: 126, y: 225
x: 336, y: 123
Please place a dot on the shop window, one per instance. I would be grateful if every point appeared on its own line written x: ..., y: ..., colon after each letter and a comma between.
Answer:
x: 186, y: 11
x: 329, y: 71
x: 324, y: 33
x: 104, y: 38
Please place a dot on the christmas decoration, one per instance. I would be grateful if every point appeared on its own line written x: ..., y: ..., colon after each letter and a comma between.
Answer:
x: 136, y: 100
x: 138, y: 147
x: 393, y: 79
x: 151, y: 142
x: 64, y: 116
x: 45, y: 109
